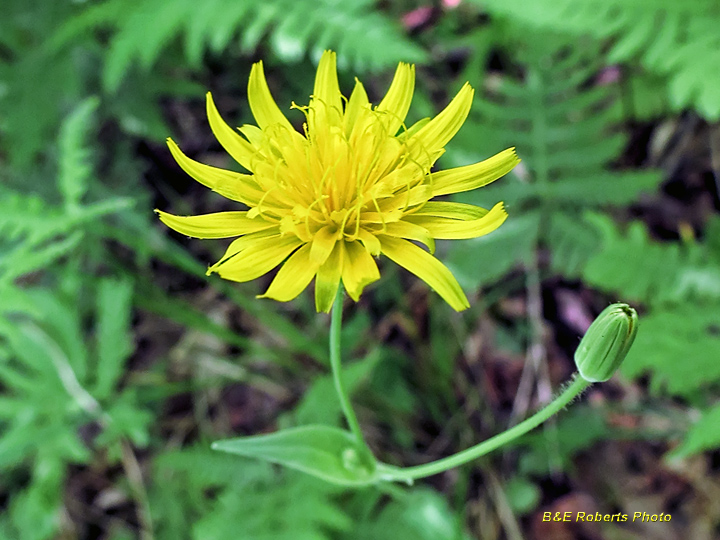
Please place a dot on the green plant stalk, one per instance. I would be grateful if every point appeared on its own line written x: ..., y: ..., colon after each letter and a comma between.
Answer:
x: 408, y: 474
x: 335, y: 328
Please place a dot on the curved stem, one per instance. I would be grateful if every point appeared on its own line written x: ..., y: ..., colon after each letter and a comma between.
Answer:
x: 335, y: 327
x: 577, y: 385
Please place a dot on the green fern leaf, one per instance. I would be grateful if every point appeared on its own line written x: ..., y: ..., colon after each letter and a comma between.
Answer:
x: 572, y: 242
x: 565, y: 134
x: 687, y: 49
x: 114, y: 309
x: 74, y: 160
x: 702, y: 435
x: 679, y: 346
x: 481, y: 261
x: 564, y: 126
x: 643, y: 270
x: 145, y: 29
x: 362, y: 37
x: 282, y: 506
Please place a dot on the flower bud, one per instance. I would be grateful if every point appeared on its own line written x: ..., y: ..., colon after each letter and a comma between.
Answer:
x: 607, y: 341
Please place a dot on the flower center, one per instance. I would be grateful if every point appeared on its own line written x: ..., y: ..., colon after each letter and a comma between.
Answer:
x: 333, y: 176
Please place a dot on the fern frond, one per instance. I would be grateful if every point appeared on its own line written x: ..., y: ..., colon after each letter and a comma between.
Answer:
x: 482, y: 261
x: 563, y: 124
x: 309, y: 507
x: 74, y: 160
x: 113, y: 341
x: 36, y: 234
x: 362, y: 36
x: 679, y: 346
x: 702, y: 435
x: 572, y: 242
x: 565, y: 128
x: 677, y: 39
x: 640, y: 269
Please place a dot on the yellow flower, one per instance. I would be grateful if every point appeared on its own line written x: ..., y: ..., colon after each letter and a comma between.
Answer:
x: 355, y: 185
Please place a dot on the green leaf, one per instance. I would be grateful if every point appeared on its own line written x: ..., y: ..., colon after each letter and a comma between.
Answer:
x: 650, y: 271
x: 577, y: 429
x: 480, y: 261
x: 320, y: 404
x: 114, y: 345
x: 522, y: 494
x: 703, y: 435
x: 362, y: 36
x: 75, y: 165
x: 680, y: 346
x: 572, y: 242
x: 419, y: 514
x: 325, y: 452
x: 686, y: 50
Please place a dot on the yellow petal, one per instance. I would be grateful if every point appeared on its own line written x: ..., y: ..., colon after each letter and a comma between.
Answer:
x: 325, y: 110
x: 411, y: 231
x: 323, y: 243
x: 253, y: 134
x: 251, y: 240
x: 427, y: 268
x: 241, y: 150
x: 438, y: 131
x: 327, y: 88
x: 475, y: 175
x: 451, y: 210
x: 259, y: 259
x: 293, y: 276
x: 234, y: 186
x: 359, y: 269
x: 370, y: 241
x: 396, y: 102
x: 357, y: 104
x: 406, y: 199
x: 328, y: 279
x: 262, y: 104
x: 218, y: 225
x: 456, y: 229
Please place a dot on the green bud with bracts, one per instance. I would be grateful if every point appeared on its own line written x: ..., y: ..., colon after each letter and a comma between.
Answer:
x: 606, y: 343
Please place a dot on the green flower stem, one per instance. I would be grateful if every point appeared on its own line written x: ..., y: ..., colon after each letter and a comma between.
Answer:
x: 408, y: 474
x: 335, y: 327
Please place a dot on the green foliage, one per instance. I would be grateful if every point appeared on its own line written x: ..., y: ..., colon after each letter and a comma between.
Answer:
x: 204, y: 496
x: 363, y: 38
x: 577, y: 429
x: 523, y: 495
x: 55, y: 384
x: 36, y: 89
x: 331, y: 454
x: 66, y: 47
x: 680, y: 346
x: 652, y: 272
x: 420, y: 514
x: 35, y: 232
x: 481, y: 261
x: 319, y: 404
x: 207, y: 495
x: 75, y: 166
x: 55, y: 376
x: 574, y: 240
x: 564, y: 126
x: 86, y: 91
x: 702, y: 435
x: 682, y: 285
x: 674, y: 39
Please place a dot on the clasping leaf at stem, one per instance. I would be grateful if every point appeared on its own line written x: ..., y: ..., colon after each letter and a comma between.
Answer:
x: 329, y: 453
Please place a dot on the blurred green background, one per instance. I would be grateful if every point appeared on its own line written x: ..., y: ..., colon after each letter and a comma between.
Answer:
x: 120, y: 361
